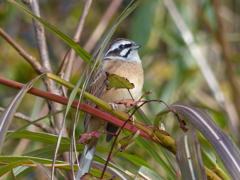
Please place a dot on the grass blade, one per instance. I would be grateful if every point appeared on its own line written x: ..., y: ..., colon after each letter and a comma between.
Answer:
x: 79, y: 50
x: 221, y: 142
x: 189, y: 157
x: 8, y: 113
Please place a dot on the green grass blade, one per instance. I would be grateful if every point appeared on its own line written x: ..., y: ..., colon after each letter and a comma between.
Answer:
x: 15, y: 161
x: 9, y: 135
x: 147, y: 146
x: 79, y: 50
x: 39, y: 136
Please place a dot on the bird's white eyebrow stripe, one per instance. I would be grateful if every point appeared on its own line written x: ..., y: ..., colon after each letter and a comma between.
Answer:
x: 117, y: 45
x: 124, y: 53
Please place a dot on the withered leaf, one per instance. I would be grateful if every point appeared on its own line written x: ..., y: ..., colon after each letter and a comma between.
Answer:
x: 86, y: 137
x: 127, y: 102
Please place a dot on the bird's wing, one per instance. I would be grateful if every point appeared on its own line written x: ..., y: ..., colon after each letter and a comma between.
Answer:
x: 97, y: 88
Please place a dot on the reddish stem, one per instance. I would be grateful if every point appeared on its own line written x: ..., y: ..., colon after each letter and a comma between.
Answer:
x: 83, y: 107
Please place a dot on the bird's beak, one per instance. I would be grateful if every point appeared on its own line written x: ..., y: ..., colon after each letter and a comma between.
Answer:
x: 136, y: 46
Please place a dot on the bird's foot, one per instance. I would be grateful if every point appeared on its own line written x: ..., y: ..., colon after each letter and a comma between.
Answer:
x: 114, y: 106
x: 132, y: 119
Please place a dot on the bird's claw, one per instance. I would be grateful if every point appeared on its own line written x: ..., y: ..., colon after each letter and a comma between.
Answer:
x: 114, y: 106
x: 132, y: 119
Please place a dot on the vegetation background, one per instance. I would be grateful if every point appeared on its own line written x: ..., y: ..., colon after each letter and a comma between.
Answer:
x: 171, y: 59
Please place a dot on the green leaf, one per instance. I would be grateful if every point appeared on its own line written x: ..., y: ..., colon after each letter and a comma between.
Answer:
x: 48, y: 151
x: 208, y: 154
x: 146, y: 94
x: 138, y: 161
x: 152, y: 151
x: 88, y: 176
x: 8, y: 167
x: 126, y: 141
x: 118, y: 82
x: 9, y: 135
x: 39, y: 136
x: 15, y: 161
x: 146, y: 173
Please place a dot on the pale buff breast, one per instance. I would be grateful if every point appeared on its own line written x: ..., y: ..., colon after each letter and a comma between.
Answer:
x: 133, y: 72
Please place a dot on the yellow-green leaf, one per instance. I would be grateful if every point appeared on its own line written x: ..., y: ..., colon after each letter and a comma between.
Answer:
x: 118, y: 82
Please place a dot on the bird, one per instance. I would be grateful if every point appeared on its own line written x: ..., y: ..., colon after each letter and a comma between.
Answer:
x: 122, y: 59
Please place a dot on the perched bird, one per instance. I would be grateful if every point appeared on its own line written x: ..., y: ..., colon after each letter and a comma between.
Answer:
x: 121, y: 59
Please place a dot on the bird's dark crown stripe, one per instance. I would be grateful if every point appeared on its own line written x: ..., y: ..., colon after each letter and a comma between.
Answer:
x: 127, y: 45
x: 114, y: 52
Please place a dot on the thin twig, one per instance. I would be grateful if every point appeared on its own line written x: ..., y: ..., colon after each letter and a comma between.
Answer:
x: 30, y: 59
x: 40, y: 36
x: 221, y: 37
x: 230, y: 111
x: 98, y: 32
x: 72, y: 55
x: 102, y: 25
x: 50, y: 84
x: 41, y: 125
x: 42, y: 48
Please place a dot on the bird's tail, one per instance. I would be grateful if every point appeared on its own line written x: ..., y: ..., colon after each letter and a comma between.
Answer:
x: 86, y: 160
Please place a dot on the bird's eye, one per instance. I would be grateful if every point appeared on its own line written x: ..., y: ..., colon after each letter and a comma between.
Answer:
x: 121, y: 46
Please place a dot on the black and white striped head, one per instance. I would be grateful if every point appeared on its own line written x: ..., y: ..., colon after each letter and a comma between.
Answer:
x: 123, y: 49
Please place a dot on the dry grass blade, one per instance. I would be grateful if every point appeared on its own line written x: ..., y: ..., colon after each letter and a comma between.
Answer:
x: 202, y: 62
x: 220, y: 141
x: 8, y: 113
x: 189, y: 157
x: 44, y: 169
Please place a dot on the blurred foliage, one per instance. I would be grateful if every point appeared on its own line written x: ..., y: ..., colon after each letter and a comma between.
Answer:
x: 170, y: 70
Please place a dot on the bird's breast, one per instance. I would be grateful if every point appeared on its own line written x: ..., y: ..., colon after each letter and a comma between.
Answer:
x: 133, y: 72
